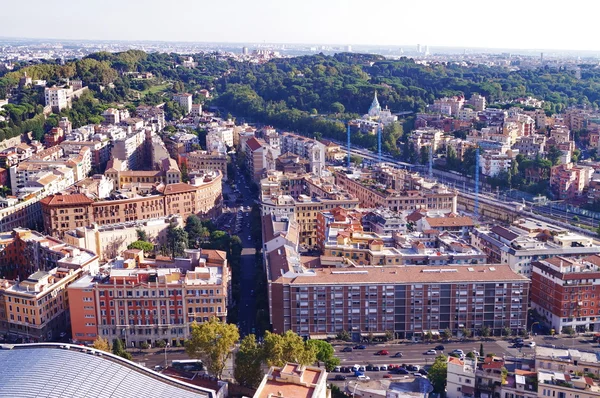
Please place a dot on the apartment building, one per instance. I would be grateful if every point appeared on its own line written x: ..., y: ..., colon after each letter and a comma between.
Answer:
x: 309, y: 149
x: 36, y: 305
x: 57, y: 98
x: 564, y: 292
x: 132, y: 149
x: 185, y: 101
x: 570, y: 181
x: 525, y: 242
x: 410, y: 301
x: 564, y: 385
x: 429, y: 137
x: 260, y: 157
x: 460, y: 382
x: 478, y: 102
x: 294, y: 380
x: 167, y: 173
x: 494, y: 163
x: 202, y: 197
x: 204, y: 160
x: 109, y: 241
x: 567, y: 360
x: 143, y: 300
x: 374, y: 194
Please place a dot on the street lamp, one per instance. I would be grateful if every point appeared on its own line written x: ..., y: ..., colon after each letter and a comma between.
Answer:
x: 166, y: 363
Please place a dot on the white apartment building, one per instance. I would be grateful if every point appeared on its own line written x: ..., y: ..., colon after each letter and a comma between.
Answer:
x: 58, y: 98
x: 184, y: 100
x: 493, y: 163
x: 461, y: 378
x: 130, y: 149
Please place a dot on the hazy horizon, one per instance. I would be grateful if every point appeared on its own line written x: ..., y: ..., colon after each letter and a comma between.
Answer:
x: 522, y: 25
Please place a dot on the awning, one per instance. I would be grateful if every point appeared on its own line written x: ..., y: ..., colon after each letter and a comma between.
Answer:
x: 468, y: 390
x: 435, y: 332
x: 378, y: 334
x: 318, y: 336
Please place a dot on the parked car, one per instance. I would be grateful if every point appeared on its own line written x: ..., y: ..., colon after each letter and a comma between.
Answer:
x: 376, y: 368
x: 363, y: 378
x: 337, y: 369
x: 430, y: 352
x: 423, y: 372
x: 531, y: 344
x: 401, y: 371
x: 369, y: 368
x: 345, y: 369
x: 458, y: 352
x: 397, y: 355
x: 361, y: 369
x: 383, y: 367
x: 518, y: 345
x: 440, y: 347
x: 413, y: 368
x: 382, y: 352
x: 347, y: 349
x: 339, y: 377
x: 360, y: 347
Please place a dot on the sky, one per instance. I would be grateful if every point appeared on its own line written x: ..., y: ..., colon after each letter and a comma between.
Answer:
x: 518, y: 24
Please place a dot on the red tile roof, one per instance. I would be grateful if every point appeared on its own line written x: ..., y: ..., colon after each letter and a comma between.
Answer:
x: 71, y: 199
x: 253, y: 144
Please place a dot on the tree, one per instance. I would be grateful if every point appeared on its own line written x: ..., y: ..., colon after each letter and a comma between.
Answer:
x: 324, y: 353
x: 337, y: 107
x: 568, y: 330
x: 447, y: 333
x: 118, y: 349
x: 481, y: 353
x: 554, y: 155
x: 213, y: 342
x: 101, y: 344
x: 466, y: 332
x: 248, y: 360
x: 345, y: 335
x: 142, y: 235
x: 438, y: 374
x: 142, y: 245
x: 485, y: 331
x: 177, y: 240
x: 506, y: 331
x: 287, y: 347
x: 356, y: 159
x: 194, y: 229
x: 424, y: 154
x: 389, y: 335
x: 428, y: 336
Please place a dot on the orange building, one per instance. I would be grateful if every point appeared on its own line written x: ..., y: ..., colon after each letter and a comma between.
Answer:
x: 143, y: 300
x: 36, y: 306
x: 62, y: 213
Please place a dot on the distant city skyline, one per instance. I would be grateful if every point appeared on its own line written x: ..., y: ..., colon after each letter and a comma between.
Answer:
x: 528, y: 25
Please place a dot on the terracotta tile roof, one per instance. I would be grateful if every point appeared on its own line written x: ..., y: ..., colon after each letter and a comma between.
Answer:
x: 217, y: 255
x: 455, y: 361
x: 253, y: 144
x: 71, y: 199
x: 406, y: 274
x: 415, y: 216
x: 450, y: 222
x: 178, y: 188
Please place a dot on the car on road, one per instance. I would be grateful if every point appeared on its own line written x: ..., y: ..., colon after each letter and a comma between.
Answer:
x: 382, y: 352
x: 417, y: 375
x: 423, y: 372
x: 413, y: 368
x: 347, y: 349
x: 387, y: 376
x: 440, y: 347
x: 376, y: 368
x: 397, y: 355
x: 531, y: 344
x: 458, y: 352
x: 345, y: 369
x: 361, y: 369
x: 369, y: 368
x: 363, y: 378
x: 360, y: 347
x: 339, y: 377
x: 430, y: 352
x: 401, y: 371
x: 518, y: 345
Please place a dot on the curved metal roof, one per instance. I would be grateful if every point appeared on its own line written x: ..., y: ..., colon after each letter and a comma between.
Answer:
x: 45, y: 370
